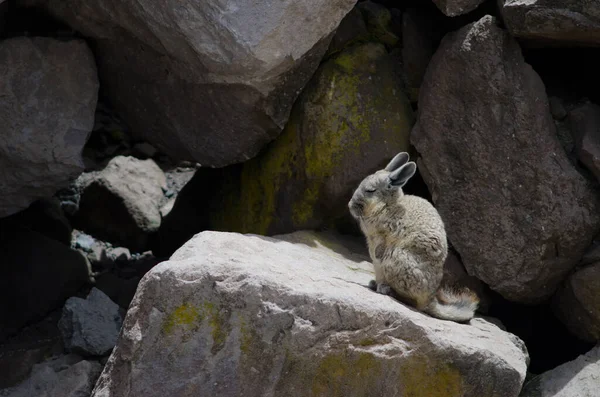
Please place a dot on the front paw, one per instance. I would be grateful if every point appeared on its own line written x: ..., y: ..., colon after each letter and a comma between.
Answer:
x: 373, y: 285
x: 384, y: 289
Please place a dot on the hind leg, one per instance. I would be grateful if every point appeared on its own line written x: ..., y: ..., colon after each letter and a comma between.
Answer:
x: 413, y: 284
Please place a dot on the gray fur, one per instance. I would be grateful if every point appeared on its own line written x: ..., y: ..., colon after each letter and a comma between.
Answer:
x: 407, y: 243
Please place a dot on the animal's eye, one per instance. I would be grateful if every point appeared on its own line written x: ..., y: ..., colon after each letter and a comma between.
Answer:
x: 371, y: 190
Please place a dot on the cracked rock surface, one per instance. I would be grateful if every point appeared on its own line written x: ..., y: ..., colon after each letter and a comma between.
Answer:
x: 233, y: 314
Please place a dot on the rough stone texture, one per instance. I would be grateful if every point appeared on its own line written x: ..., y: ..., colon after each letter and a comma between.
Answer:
x: 121, y: 203
x: 234, y: 315
x: 49, y: 90
x: 516, y: 210
x: 453, y: 8
x: 90, y: 326
x: 577, y: 378
x: 577, y: 303
x: 30, y: 346
x: 38, y: 274
x: 569, y: 22
x: 352, y: 30
x: 418, y: 45
x: 64, y: 376
x: 352, y: 117
x: 585, y: 127
x: 210, y: 81
x: 379, y: 23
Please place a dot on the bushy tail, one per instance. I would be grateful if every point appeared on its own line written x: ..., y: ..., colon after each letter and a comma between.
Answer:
x: 455, y: 305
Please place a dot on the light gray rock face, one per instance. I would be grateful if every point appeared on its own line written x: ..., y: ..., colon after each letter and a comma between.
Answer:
x: 210, y: 81
x: 246, y: 315
x: 64, y: 376
x: 453, y: 8
x: 577, y: 378
x: 90, y: 326
x: 121, y: 203
x: 49, y: 90
x: 570, y: 22
x: 516, y: 210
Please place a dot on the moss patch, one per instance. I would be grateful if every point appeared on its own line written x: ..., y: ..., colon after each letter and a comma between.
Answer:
x: 184, y: 316
x: 420, y: 377
x: 338, y: 373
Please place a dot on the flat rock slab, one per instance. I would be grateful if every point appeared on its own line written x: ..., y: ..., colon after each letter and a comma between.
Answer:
x: 567, y: 22
x: 246, y: 315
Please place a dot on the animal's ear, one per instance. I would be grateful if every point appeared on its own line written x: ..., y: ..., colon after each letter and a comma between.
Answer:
x: 399, y: 160
x: 400, y: 176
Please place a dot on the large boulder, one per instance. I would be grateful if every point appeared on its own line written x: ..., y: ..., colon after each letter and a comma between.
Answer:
x: 233, y: 315
x: 209, y: 81
x: 350, y: 120
x: 516, y: 210
x: 49, y: 90
x: 567, y: 22
x: 577, y: 378
x: 121, y: 203
x: 453, y: 8
x: 38, y: 275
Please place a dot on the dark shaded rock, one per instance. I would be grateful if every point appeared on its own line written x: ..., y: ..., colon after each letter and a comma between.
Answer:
x: 567, y: 22
x: 62, y: 376
x: 206, y: 82
x: 38, y: 274
x: 352, y: 30
x: 379, y: 23
x: 90, y: 326
x: 577, y: 303
x: 453, y: 8
x: 585, y: 127
x: 515, y: 208
x: 46, y: 217
x: 121, y: 203
x: 49, y: 90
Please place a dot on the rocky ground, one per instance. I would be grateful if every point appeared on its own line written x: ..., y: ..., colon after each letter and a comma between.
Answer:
x: 175, y: 181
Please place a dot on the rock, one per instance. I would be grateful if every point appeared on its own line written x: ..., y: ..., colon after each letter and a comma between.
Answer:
x: 31, y: 346
x: 121, y: 203
x: 453, y: 8
x: 119, y: 254
x: 557, y: 108
x: 49, y: 90
x: 252, y: 315
x: 515, y: 209
x: 418, y: 45
x: 44, y: 216
x: 577, y: 378
x: 119, y: 290
x: 210, y: 82
x: 38, y: 274
x: 568, y: 22
x: 65, y: 376
x: 90, y: 326
x: 379, y: 23
x: 144, y: 150
x: 352, y: 116
x: 577, y: 303
x: 585, y: 127
x: 352, y: 30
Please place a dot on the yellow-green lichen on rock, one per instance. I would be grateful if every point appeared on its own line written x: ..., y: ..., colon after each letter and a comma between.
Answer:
x: 351, y: 118
x: 420, y: 376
